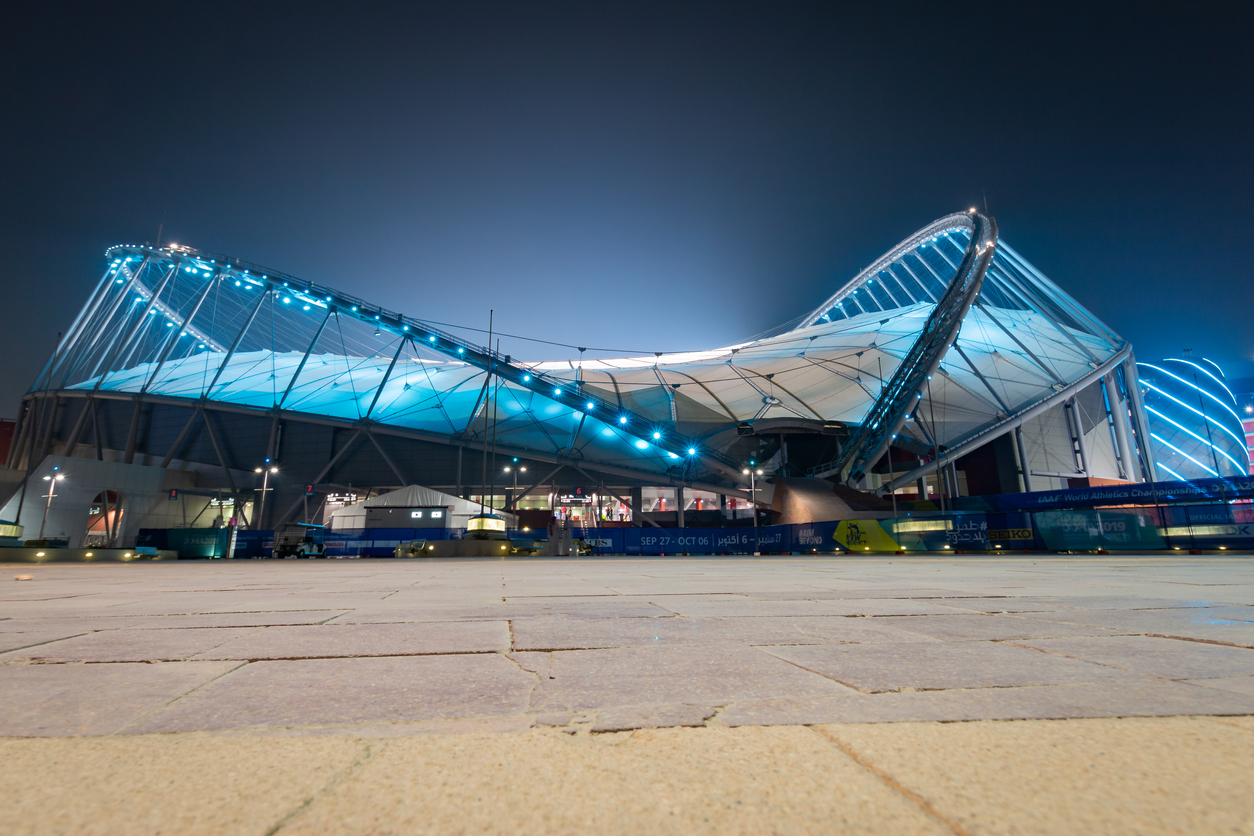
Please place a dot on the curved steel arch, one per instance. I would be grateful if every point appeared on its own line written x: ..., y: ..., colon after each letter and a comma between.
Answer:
x: 949, y: 223
x: 905, y: 388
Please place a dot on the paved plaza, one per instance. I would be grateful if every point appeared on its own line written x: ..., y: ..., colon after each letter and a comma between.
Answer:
x: 630, y: 695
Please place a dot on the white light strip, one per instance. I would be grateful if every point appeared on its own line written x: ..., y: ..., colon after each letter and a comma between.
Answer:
x: 1186, y: 455
x: 1198, y: 411
x: 1204, y: 371
x: 1169, y: 470
x: 1194, y: 385
x: 1195, y: 435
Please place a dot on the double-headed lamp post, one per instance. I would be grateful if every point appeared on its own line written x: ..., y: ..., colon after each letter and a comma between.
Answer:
x: 753, y: 491
x: 52, y: 483
x: 515, y: 471
x: 265, y: 486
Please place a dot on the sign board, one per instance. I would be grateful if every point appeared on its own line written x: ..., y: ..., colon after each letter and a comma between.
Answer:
x: 577, y: 495
x: 309, y: 490
x: 417, y: 517
x: 174, y: 493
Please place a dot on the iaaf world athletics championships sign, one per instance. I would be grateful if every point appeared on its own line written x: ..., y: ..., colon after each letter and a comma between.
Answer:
x: 1166, y: 493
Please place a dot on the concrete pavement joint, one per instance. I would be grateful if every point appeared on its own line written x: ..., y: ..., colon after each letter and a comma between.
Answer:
x: 330, y: 785
x: 891, y: 782
x: 161, y: 708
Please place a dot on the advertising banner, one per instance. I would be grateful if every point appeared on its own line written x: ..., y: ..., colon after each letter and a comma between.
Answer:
x: 1087, y: 530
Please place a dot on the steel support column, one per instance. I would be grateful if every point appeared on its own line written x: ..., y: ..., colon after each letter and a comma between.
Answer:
x: 305, y: 359
x: 182, y: 436
x: 1119, y: 420
x: 1077, y: 424
x: 132, y: 437
x: 1025, y: 467
x: 1140, y: 420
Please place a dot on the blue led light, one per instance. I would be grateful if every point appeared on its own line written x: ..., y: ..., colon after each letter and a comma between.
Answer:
x: 656, y: 436
x: 557, y: 392
x: 591, y: 405
x: 692, y: 451
x: 526, y: 378
x: 622, y: 419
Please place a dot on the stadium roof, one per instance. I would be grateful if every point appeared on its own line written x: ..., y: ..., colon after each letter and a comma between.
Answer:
x: 947, y: 338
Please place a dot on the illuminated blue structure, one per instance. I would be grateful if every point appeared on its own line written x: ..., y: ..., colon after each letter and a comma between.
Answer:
x: 949, y: 344
x: 1195, y: 429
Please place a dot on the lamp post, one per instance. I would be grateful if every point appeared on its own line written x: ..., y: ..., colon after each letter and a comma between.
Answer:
x: 753, y: 491
x: 52, y: 483
x: 265, y: 486
x: 515, y: 471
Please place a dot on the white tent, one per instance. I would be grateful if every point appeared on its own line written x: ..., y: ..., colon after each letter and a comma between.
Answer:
x: 414, y: 496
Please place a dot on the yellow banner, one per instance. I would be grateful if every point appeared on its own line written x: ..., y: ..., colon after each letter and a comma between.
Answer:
x: 864, y: 535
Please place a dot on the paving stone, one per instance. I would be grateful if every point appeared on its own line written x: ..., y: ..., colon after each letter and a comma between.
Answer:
x: 129, y: 646
x: 583, y: 679
x: 1235, y: 684
x: 242, y: 619
x: 1179, y: 775
x: 987, y: 627
x: 399, y: 612
x: 891, y: 606
x: 1167, y: 658
x: 336, y: 691
x: 888, y: 667
x: 53, y: 700
x: 559, y: 633
x: 1002, y: 604
x: 1147, y: 698
x: 662, y: 781
x: 626, y: 718
x: 1198, y: 623
x: 21, y: 641
x: 365, y: 640
x: 165, y: 784
x: 85, y: 624
x: 695, y: 606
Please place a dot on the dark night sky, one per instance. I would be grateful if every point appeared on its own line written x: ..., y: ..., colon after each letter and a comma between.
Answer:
x: 632, y: 175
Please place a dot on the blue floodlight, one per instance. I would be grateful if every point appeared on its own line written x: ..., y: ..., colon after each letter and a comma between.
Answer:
x: 286, y: 300
x: 692, y: 451
x: 591, y: 405
x: 431, y: 338
x: 656, y: 436
x: 461, y: 351
x: 622, y: 419
x: 526, y: 378
x: 557, y: 392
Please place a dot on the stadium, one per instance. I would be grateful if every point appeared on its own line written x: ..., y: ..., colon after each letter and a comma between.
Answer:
x: 950, y: 367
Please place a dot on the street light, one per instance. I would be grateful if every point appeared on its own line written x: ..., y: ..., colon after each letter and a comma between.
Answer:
x: 52, y: 483
x: 515, y: 471
x: 265, y: 486
x: 753, y: 491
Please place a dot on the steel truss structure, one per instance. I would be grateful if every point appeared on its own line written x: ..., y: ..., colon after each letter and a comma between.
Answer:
x: 947, y: 342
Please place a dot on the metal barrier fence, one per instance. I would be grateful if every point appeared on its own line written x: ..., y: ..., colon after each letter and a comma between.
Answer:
x: 1169, y: 528
x: 1212, y: 527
